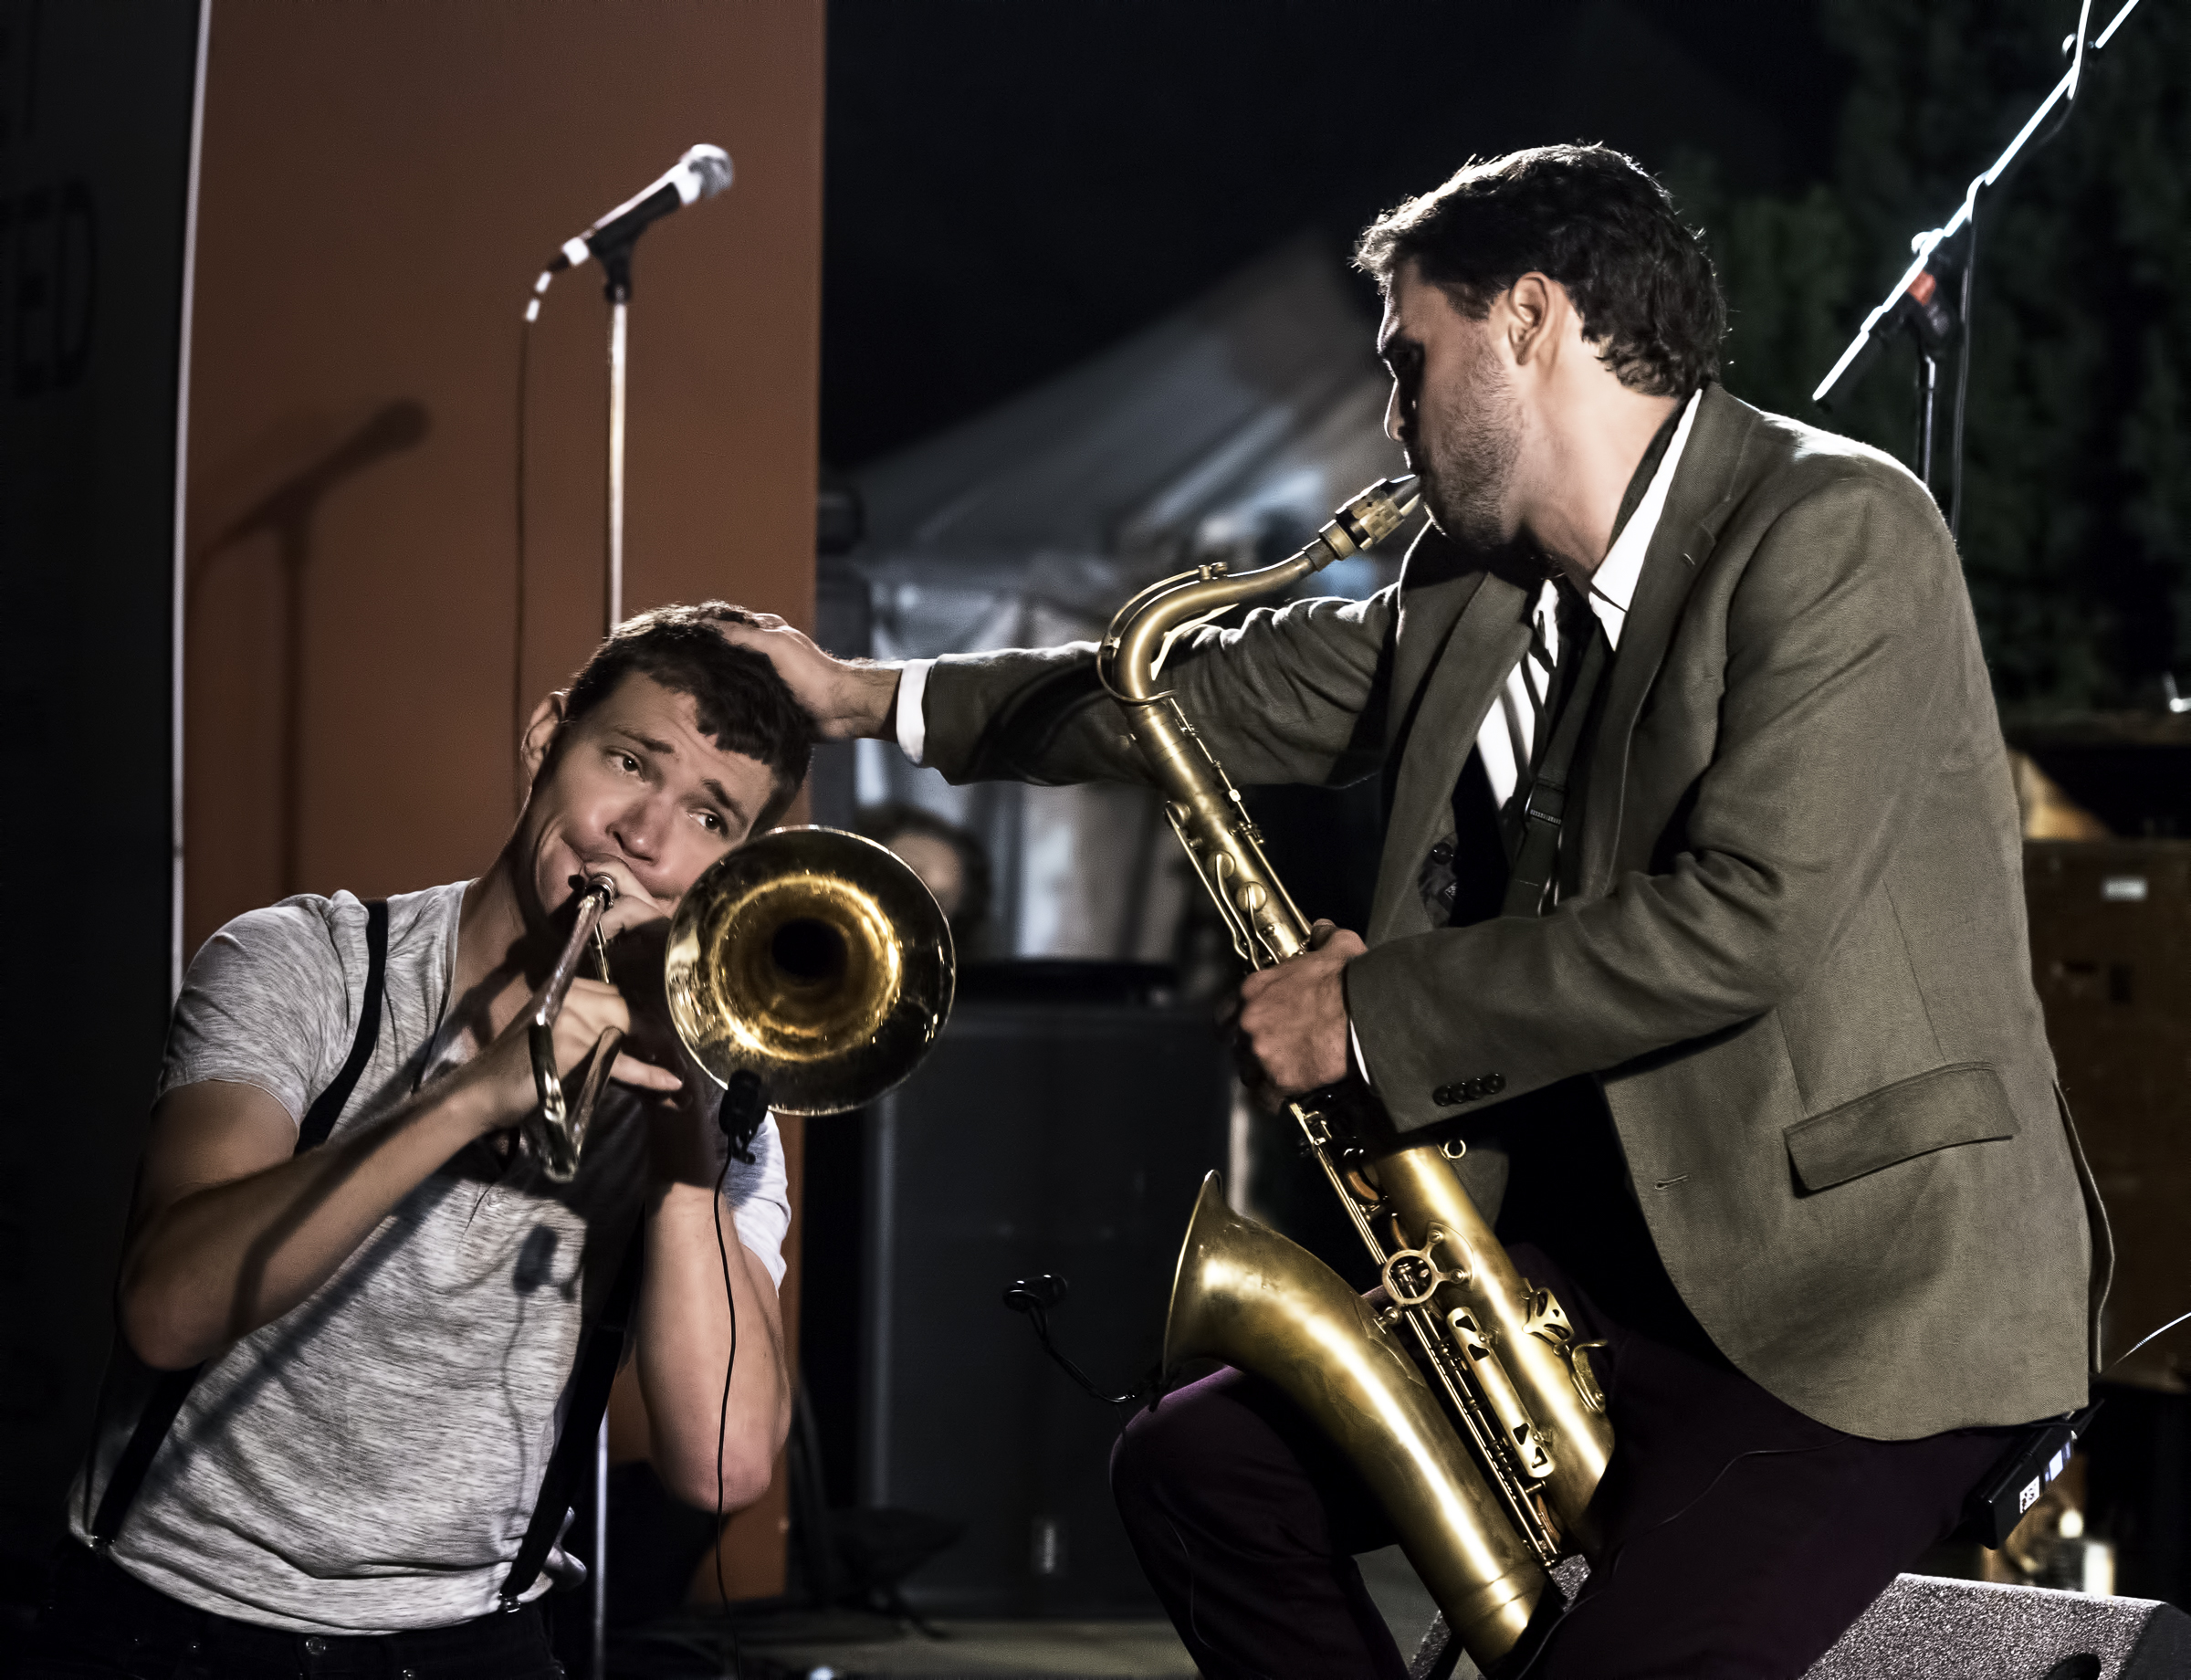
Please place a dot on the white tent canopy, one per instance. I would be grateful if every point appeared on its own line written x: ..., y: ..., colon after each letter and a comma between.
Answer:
x: 1235, y: 427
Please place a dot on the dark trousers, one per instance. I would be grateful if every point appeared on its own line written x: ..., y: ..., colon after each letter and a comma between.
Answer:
x: 99, y: 1621
x: 1741, y: 1537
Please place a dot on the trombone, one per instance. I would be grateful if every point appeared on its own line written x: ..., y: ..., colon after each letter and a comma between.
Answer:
x: 807, y: 971
x: 556, y: 1131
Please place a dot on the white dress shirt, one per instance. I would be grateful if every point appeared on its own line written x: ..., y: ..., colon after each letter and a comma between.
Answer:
x: 1510, y: 727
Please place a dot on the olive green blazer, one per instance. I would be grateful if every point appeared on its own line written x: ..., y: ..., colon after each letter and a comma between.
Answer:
x: 1793, y: 950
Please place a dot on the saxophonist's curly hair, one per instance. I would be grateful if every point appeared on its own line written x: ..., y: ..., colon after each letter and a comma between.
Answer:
x: 1587, y: 217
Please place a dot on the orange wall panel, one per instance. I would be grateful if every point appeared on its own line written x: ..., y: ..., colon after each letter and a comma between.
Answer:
x: 381, y: 184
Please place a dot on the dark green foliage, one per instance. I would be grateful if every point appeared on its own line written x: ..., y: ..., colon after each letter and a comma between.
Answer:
x: 2077, y: 524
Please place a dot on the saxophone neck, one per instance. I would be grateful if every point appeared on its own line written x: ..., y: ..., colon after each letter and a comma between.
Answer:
x: 1142, y: 634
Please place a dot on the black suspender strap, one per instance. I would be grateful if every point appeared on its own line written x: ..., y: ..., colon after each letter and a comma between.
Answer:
x: 596, y: 1374
x: 174, y: 1387
x: 1536, y: 852
x: 321, y: 1117
x: 152, y: 1424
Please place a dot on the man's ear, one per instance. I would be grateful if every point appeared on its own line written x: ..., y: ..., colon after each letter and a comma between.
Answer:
x: 1532, y: 306
x: 540, y: 733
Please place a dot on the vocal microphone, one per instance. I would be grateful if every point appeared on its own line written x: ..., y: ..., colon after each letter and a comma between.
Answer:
x: 701, y: 173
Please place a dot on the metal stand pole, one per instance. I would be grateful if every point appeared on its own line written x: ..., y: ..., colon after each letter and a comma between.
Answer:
x: 619, y: 308
x: 1928, y: 392
x: 599, y: 1581
x: 616, y: 266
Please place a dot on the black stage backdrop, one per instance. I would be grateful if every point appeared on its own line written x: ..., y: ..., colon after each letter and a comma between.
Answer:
x: 96, y: 107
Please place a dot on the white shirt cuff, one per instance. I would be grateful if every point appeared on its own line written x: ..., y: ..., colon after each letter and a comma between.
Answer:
x: 759, y: 1200
x: 912, y: 725
x: 1354, y: 1051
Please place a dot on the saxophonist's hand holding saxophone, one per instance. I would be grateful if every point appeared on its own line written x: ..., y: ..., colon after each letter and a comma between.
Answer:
x: 1290, y: 1029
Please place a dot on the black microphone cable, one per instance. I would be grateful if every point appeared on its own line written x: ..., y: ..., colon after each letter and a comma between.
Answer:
x: 738, y: 1117
x: 1033, y: 1298
x: 722, y: 1416
x: 517, y: 649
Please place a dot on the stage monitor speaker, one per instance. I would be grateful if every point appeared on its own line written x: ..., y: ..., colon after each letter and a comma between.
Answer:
x: 1050, y: 1130
x: 1925, y: 1627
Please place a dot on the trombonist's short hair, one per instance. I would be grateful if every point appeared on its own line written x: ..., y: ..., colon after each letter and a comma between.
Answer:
x: 1593, y: 220
x: 742, y: 705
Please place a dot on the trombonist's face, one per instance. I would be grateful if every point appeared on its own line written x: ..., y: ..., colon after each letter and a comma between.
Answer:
x: 637, y: 790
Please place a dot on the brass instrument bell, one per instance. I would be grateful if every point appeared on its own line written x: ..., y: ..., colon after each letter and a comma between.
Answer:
x: 815, y: 961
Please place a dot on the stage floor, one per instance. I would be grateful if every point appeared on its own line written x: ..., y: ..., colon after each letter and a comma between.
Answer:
x: 856, y: 1648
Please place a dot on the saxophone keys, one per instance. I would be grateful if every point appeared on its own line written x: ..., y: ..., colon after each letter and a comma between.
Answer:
x: 1587, y: 1389
x: 1530, y: 1452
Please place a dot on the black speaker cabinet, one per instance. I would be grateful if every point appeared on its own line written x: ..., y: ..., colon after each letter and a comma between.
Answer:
x: 1048, y: 1131
x: 2111, y: 952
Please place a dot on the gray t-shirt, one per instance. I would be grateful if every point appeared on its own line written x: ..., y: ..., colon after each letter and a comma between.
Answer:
x: 369, y: 1461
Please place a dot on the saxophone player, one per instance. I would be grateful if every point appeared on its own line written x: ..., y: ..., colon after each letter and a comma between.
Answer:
x: 1699, y: 919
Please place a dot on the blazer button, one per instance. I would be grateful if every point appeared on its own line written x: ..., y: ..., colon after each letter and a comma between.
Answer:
x: 1442, y: 853
x: 1494, y: 1084
x: 1445, y: 1096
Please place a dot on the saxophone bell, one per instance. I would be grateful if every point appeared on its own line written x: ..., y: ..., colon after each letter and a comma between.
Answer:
x: 1247, y: 1295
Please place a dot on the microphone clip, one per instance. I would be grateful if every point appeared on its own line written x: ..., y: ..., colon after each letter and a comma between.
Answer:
x: 744, y: 1107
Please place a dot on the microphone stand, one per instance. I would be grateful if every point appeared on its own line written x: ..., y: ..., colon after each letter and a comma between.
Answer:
x: 615, y: 260
x: 616, y: 267
x: 1946, y: 264
x: 616, y: 286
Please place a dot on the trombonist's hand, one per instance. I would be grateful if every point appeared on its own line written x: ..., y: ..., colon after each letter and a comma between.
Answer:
x: 504, y: 1070
x: 684, y: 1143
x: 848, y: 699
x: 1292, y: 1024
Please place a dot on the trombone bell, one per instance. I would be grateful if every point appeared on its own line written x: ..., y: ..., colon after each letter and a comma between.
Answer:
x: 814, y: 959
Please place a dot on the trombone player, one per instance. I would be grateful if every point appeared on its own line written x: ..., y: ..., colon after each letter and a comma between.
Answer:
x: 381, y: 1296
x: 1699, y: 920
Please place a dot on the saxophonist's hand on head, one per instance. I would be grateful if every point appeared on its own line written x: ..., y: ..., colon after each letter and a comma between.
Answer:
x: 848, y: 699
x: 1292, y: 1026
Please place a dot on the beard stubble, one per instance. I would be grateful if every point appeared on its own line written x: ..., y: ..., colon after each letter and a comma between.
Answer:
x: 1473, y: 440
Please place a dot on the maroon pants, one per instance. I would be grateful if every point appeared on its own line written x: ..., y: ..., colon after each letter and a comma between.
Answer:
x: 1742, y: 1536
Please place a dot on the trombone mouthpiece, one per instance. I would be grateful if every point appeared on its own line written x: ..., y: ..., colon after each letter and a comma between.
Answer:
x: 602, y: 886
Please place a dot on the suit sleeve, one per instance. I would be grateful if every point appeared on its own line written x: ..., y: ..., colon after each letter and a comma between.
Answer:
x: 1296, y: 694
x: 1847, y: 639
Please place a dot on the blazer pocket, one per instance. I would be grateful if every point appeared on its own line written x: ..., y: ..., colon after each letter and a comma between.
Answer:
x: 1966, y: 1103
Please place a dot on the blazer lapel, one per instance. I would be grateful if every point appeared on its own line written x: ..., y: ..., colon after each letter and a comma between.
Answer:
x: 1679, y: 548
x: 1467, y: 634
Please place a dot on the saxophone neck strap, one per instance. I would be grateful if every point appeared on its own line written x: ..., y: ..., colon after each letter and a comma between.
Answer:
x: 1543, y: 808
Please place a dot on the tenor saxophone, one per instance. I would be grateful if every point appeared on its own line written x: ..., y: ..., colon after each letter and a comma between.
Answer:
x: 1465, y: 1400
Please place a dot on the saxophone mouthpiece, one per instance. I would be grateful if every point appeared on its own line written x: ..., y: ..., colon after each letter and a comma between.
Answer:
x: 1372, y: 515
